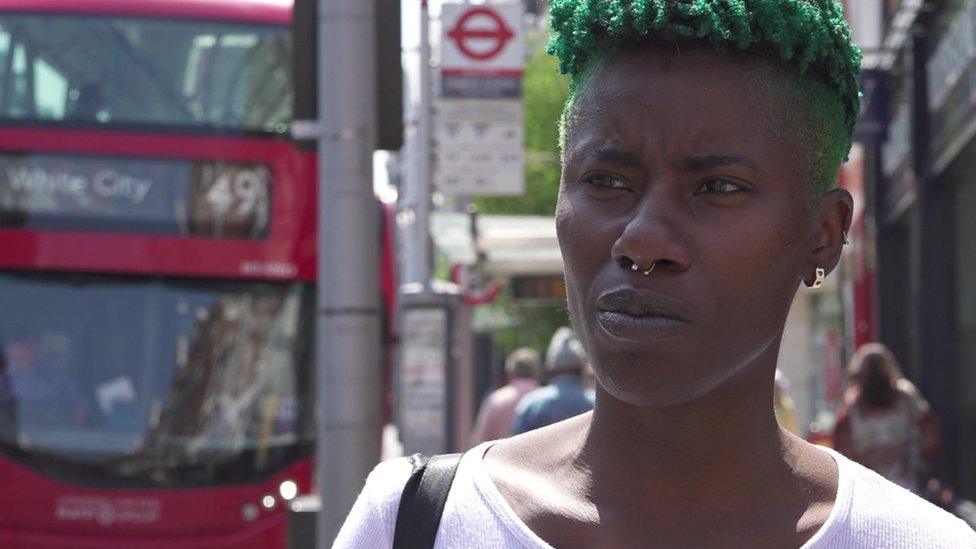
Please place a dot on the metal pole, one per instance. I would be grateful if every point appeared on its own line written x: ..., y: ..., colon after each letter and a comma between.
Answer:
x: 348, y: 386
x: 417, y: 260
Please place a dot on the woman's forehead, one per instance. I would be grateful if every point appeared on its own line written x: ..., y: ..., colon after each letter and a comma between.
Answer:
x: 694, y: 99
x: 693, y: 80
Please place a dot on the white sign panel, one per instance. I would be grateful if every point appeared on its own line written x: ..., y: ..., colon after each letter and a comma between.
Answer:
x: 481, y: 39
x: 480, y: 147
x: 423, y: 380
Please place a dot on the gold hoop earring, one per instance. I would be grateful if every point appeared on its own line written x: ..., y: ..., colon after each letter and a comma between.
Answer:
x: 821, y: 276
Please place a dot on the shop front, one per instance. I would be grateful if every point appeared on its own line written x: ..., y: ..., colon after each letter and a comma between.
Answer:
x: 951, y: 86
x: 926, y: 204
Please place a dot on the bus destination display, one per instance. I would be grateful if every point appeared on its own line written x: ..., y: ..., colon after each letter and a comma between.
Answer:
x: 125, y: 195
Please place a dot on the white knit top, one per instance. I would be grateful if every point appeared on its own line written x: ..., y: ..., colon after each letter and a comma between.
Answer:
x: 869, y: 512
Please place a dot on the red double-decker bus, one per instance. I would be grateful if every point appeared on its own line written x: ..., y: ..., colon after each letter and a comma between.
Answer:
x: 157, y: 256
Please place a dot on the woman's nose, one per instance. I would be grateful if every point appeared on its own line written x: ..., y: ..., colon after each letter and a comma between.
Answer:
x: 652, y: 239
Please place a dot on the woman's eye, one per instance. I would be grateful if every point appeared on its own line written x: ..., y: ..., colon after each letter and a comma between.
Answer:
x: 605, y: 181
x: 720, y: 186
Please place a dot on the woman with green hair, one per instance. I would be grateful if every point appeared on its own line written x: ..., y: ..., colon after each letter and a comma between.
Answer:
x: 700, y: 143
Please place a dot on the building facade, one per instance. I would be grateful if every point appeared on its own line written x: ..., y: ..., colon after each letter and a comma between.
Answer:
x: 918, y: 130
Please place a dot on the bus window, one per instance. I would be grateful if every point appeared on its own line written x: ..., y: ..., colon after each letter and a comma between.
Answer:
x: 50, y: 91
x: 145, y: 72
x: 32, y: 88
x: 17, y: 90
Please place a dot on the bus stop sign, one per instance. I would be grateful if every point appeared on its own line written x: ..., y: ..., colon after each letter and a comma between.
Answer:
x: 479, y: 127
x: 481, y: 40
x: 480, y: 33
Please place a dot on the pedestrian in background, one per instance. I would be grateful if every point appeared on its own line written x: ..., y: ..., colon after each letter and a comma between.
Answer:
x: 885, y: 424
x: 566, y: 395
x: 523, y: 368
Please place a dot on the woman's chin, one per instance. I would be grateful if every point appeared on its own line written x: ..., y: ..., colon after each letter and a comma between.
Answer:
x: 638, y: 383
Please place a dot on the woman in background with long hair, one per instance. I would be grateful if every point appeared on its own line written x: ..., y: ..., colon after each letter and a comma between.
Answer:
x: 885, y: 424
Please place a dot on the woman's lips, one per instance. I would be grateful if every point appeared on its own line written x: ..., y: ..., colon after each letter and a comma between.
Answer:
x: 641, y: 328
x: 641, y: 315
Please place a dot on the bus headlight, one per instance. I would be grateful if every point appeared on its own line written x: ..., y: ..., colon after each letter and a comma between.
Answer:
x: 288, y: 490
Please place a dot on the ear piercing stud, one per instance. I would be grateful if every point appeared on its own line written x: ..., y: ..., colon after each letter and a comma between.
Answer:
x: 635, y: 267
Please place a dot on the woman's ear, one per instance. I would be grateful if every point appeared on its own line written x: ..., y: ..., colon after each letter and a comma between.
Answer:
x: 832, y: 216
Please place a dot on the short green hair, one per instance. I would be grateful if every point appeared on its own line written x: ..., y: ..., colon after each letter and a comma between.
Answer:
x: 810, y: 37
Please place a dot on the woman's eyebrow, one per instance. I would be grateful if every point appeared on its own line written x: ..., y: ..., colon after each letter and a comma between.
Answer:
x: 709, y: 161
x: 614, y: 155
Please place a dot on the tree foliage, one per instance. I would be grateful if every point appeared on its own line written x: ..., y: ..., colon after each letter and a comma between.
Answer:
x: 534, y: 326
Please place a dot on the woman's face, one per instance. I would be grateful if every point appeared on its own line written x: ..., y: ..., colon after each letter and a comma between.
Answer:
x: 678, y: 161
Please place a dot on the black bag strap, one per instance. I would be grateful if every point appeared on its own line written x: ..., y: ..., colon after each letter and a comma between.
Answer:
x: 422, y: 501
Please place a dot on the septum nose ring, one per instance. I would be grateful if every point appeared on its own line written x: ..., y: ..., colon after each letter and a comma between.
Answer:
x: 635, y: 267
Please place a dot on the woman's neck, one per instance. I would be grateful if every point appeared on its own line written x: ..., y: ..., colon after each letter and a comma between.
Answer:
x: 703, y: 470
x: 716, y: 450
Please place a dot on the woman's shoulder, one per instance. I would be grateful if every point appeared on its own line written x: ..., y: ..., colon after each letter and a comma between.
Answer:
x: 373, y: 517
x: 474, y: 515
x: 886, y: 515
x: 385, y: 483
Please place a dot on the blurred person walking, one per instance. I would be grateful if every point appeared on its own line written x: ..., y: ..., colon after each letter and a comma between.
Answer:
x: 566, y: 395
x: 884, y: 423
x: 523, y: 368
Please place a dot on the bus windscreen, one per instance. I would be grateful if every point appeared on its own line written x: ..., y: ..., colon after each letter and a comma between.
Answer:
x: 151, y: 381
x: 118, y: 71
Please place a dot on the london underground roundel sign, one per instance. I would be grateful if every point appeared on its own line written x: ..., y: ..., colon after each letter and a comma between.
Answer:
x: 480, y: 33
x: 481, y: 39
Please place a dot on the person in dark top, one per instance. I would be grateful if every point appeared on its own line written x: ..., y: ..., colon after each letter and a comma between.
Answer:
x: 564, y: 396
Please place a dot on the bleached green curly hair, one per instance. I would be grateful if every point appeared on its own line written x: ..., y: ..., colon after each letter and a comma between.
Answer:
x: 809, y: 37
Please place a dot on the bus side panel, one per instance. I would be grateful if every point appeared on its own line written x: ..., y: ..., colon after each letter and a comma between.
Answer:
x: 37, y: 511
